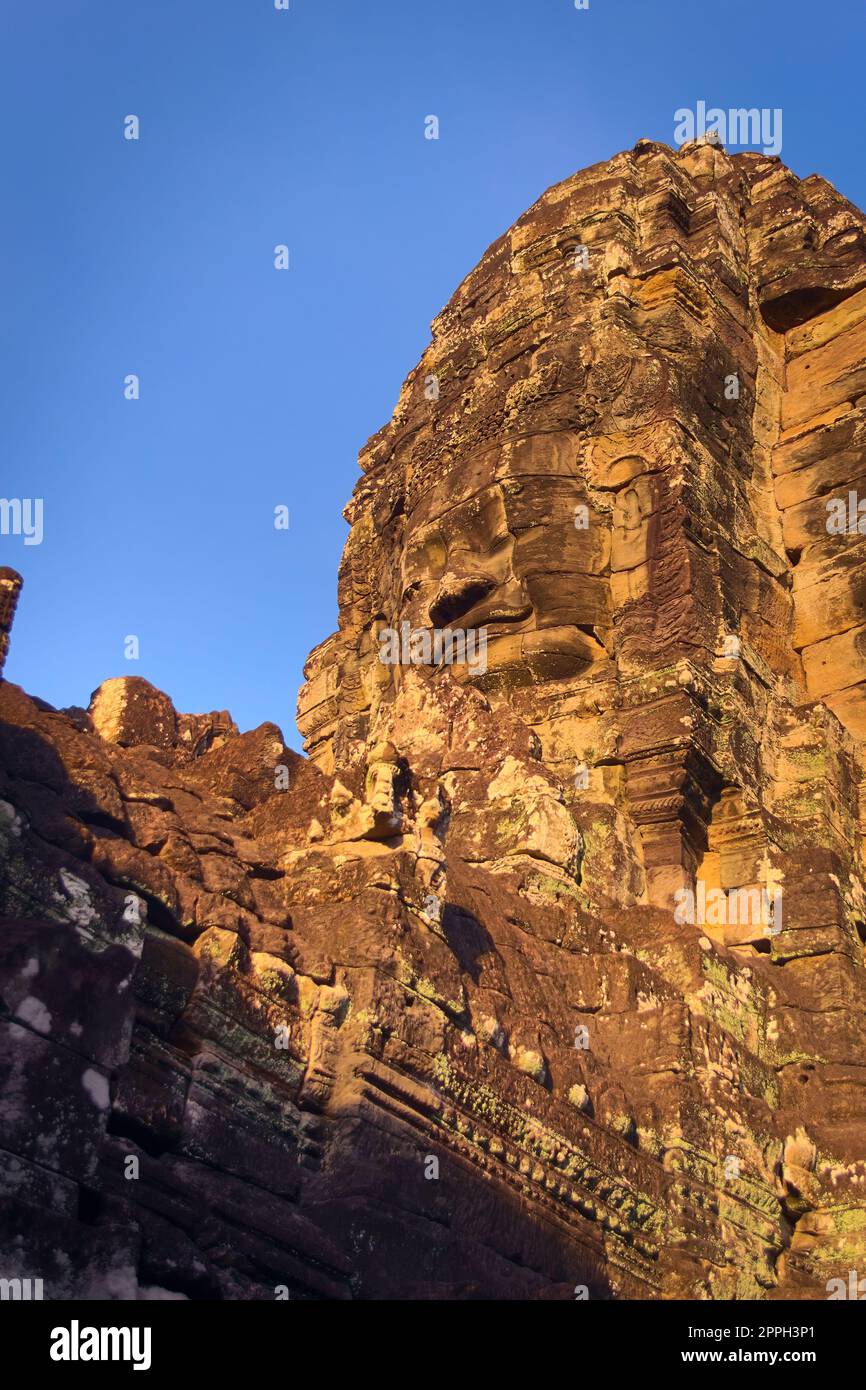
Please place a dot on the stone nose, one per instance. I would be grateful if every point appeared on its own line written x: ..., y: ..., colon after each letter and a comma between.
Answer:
x: 457, y: 595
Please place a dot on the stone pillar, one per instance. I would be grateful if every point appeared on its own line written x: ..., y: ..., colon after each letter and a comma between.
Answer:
x: 10, y: 587
x: 671, y: 786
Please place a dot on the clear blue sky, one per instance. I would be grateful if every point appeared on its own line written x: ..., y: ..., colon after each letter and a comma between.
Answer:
x: 258, y: 387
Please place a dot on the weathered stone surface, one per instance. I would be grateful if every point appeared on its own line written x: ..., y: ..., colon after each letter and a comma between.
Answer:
x: 10, y: 588
x: 426, y: 1013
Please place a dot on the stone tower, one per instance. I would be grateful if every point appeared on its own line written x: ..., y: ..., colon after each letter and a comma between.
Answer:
x: 10, y: 588
x: 455, y: 942
x: 615, y: 457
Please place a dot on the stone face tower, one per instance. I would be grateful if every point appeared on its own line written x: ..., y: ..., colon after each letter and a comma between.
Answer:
x: 585, y: 922
x: 10, y: 588
x: 644, y: 395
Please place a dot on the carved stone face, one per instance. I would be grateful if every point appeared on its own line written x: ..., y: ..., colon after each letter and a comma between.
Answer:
x: 509, y: 542
x: 563, y: 387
